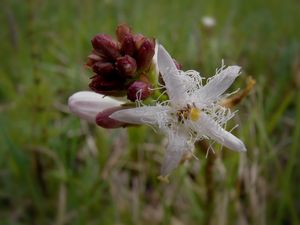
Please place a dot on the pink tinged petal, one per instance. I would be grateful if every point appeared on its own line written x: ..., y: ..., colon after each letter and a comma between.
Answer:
x: 216, y: 86
x: 87, y: 104
x: 171, y: 77
x: 207, y: 126
x: 103, y: 118
x: 177, y: 146
x: 142, y: 115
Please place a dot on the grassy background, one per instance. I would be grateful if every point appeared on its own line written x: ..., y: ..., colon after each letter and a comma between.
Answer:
x: 56, y: 169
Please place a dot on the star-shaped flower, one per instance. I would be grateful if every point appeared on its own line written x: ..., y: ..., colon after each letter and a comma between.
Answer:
x: 192, y: 112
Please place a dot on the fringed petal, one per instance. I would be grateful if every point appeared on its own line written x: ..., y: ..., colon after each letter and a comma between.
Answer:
x: 151, y: 115
x: 208, y: 127
x: 171, y: 77
x: 216, y: 86
x: 177, y: 145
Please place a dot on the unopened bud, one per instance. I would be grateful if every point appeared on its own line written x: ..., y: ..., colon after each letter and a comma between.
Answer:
x: 126, y: 66
x: 145, y: 54
x: 103, y: 119
x: 128, y: 46
x: 138, y: 90
x: 106, y: 46
x: 92, y: 59
x: 103, y: 68
x: 95, y: 57
x: 122, y: 31
x: 138, y: 40
x: 87, y: 104
x: 112, y: 87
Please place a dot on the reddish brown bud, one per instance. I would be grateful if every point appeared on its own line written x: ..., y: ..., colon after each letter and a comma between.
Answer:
x: 138, y: 90
x: 103, y: 119
x: 113, y: 87
x: 89, y: 63
x: 128, y: 46
x: 138, y: 40
x: 106, y: 46
x: 103, y: 68
x: 145, y: 54
x: 92, y: 59
x: 122, y: 31
x: 126, y: 66
x: 95, y: 57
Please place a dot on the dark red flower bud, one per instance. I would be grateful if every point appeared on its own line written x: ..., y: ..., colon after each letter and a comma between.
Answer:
x: 112, y: 87
x: 106, y: 46
x: 92, y: 59
x: 128, y: 46
x: 95, y: 57
x: 178, y: 65
x: 103, y: 68
x: 90, y: 63
x: 122, y: 31
x: 145, y: 54
x: 103, y: 120
x: 126, y: 66
x: 138, y: 40
x: 138, y: 90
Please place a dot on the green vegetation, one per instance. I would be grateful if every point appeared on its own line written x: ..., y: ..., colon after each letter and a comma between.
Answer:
x: 56, y: 169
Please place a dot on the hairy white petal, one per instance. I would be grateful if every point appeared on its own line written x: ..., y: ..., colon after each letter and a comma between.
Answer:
x: 216, y: 86
x: 142, y: 115
x: 207, y: 126
x: 177, y: 146
x: 171, y: 77
x: 87, y: 104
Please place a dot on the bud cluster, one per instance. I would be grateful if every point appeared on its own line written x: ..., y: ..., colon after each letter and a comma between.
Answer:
x: 121, y: 66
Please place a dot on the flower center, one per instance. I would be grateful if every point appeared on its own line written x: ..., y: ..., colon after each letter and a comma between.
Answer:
x: 188, y: 112
x: 194, y: 114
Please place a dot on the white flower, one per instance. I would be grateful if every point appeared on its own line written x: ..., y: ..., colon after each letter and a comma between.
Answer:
x: 87, y: 104
x: 208, y: 21
x: 191, y: 113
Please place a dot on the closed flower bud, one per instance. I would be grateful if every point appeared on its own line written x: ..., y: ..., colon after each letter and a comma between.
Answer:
x: 106, y: 46
x: 103, y: 68
x: 87, y: 104
x: 126, y: 66
x: 128, y: 46
x: 92, y: 59
x: 138, y: 40
x: 138, y: 90
x: 103, y: 119
x: 95, y: 57
x: 90, y: 63
x: 113, y: 87
x: 122, y: 31
x: 145, y: 54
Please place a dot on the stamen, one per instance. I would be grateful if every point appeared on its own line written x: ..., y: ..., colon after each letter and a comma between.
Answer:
x: 194, y: 114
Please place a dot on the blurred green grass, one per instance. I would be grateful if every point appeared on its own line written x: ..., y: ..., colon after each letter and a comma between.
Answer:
x: 56, y: 169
